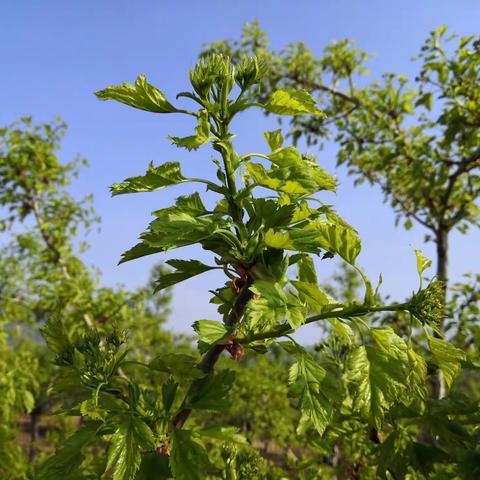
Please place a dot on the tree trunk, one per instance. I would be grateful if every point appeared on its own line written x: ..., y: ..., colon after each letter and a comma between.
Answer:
x: 34, y: 418
x: 441, y: 239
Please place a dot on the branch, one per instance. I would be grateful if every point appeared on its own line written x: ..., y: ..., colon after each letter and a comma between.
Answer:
x: 347, y: 312
x: 209, y: 360
x: 56, y: 252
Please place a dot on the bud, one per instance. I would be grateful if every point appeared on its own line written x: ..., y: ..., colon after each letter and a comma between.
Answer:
x: 427, y: 305
x: 249, y: 71
x: 213, y: 70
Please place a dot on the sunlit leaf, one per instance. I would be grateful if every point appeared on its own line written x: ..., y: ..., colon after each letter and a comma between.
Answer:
x: 140, y: 95
x: 292, y: 102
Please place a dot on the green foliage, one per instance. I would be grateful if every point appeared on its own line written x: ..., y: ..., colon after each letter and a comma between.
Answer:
x: 419, y: 143
x: 254, y: 240
x: 114, y: 367
x: 42, y: 277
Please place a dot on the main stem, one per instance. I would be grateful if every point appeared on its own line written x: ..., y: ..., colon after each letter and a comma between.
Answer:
x: 209, y: 360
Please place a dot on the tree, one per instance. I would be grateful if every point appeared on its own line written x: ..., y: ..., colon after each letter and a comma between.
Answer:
x: 42, y: 275
x: 419, y: 144
x: 255, y: 240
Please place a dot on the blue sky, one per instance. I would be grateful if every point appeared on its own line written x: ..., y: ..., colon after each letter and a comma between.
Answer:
x: 55, y: 54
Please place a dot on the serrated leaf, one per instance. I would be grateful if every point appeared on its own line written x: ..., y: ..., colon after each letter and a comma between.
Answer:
x: 315, y: 298
x: 140, y: 250
x: 391, y: 344
x: 292, y: 102
x: 179, y: 365
x: 129, y: 439
x: 376, y: 381
x: 169, y: 392
x: 210, y: 331
x: 306, y: 270
x: 272, y: 305
x: 69, y: 455
x: 312, y: 236
x: 140, y: 95
x: 181, y: 229
x: 269, y: 214
x: 417, y: 380
x: 297, y: 179
x: 211, y: 392
x: 155, y: 178
x: 319, y: 391
x: 191, y: 204
x: 188, y: 459
x: 337, y: 239
x: 201, y: 137
x: 185, y: 269
x: 447, y: 357
x: 343, y: 331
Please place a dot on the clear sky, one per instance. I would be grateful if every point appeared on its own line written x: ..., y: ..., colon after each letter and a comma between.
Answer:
x: 55, y: 54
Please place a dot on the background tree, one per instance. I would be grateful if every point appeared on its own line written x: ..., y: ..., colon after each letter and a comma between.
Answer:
x: 42, y: 274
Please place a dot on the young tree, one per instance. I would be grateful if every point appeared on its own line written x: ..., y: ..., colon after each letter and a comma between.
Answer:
x: 419, y: 144
x: 255, y: 240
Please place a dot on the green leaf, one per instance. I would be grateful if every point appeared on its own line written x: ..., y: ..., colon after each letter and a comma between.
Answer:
x: 292, y: 102
x: 376, y: 381
x: 391, y: 344
x: 211, y: 392
x: 223, y: 434
x: 315, y: 298
x: 176, y: 230
x: 423, y: 264
x: 140, y: 250
x: 274, y: 139
x: 426, y: 100
x: 337, y: 239
x: 184, y: 269
x: 306, y: 270
x: 201, y: 137
x: 141, y: 95
x: 319, y: 391
x: 191, y: 204
x: 269, y: 214
x: 210, y: 331
x: 155, y: 178
x: 169, y: 392
x: 317, y: 234
x: 129, y: 439
x: 342, y: 331
x: 417, y: 380
x: 447, y: 357
x: 55, y: 335
x: 69, y: 455
x: 27, y: 400
x: 272, y: 306
x: 291, y: 173
x: 188, y: 459
x: 179, y: 365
